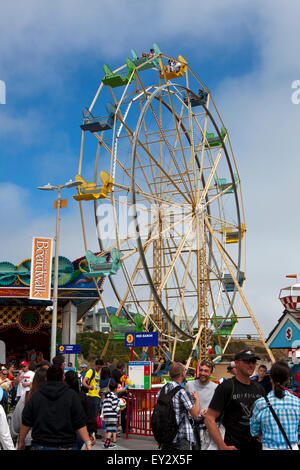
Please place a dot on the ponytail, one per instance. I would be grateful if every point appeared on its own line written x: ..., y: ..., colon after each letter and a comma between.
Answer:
x: 278, y: 390
x: 280, y: 374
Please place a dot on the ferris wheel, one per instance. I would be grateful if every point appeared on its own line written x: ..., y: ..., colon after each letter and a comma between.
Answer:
x: 167, y: 201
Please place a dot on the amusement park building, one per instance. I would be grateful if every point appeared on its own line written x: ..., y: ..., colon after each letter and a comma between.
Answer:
x: 26, y: 323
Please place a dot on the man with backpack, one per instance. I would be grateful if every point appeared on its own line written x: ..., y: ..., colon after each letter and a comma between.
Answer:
x: 170, y: 419
x: 233, y: 402
x: 91, y: 382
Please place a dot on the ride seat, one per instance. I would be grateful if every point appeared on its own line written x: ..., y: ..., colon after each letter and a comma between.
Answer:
x: 96, y: 124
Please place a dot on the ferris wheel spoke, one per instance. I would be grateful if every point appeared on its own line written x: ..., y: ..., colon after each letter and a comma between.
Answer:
x: 216, y: 197
x: 176, y: 119
x: 191, y: 132
x: 211, y: 175
x: 135, y: 272
x: 130, y: 137
x: 222, y: 222
x: 101, y: 141
x: 171, y: 153
x: 182, y: 260
x: 186, y: 172
x: 148, y: 147
x: 181, y: 290
x: 154, y: 236
x: 165, y: 173
x: 170, y: 269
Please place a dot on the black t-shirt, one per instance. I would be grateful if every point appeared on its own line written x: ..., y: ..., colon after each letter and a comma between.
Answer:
x: 235, y: 402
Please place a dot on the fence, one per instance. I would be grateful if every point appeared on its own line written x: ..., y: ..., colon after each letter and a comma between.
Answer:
x: 140, y: 404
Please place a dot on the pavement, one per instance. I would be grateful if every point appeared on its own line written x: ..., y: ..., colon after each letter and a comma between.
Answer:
x: 132, y: 443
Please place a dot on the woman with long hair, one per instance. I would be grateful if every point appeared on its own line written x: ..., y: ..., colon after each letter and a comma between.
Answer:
x: 287, y: 408
x: 72, y: 381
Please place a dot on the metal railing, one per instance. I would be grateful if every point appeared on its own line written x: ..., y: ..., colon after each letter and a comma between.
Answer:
x: 140, y: 404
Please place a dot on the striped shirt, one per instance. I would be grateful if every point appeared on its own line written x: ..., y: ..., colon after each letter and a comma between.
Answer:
x: 182, y: 403
x: 262, y: 421
x: 110, y: 406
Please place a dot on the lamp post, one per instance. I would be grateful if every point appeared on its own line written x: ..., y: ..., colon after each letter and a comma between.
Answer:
x: 49, y: 187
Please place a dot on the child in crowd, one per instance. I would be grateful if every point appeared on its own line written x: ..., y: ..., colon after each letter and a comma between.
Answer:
x: 110, y: 412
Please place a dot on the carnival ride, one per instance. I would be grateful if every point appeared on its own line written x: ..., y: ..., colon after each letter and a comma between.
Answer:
x: 165, y: 173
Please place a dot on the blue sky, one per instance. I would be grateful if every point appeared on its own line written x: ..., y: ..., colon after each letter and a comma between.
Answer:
x: 51, y: 57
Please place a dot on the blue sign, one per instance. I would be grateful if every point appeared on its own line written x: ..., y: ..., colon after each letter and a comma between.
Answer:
x: 139, y: 340
x: 69, y: 349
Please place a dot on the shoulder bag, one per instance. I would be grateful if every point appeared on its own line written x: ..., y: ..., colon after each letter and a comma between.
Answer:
x: 278, y: 422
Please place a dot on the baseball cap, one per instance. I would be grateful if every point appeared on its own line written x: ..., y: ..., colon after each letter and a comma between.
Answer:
x: 83, y: 365
x: 24, y: 363
x: 245, y: 355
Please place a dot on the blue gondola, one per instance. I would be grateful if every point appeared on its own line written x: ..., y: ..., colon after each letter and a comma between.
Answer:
x: 228, y: 283
x: 196, y: 100
x: 96, y: 124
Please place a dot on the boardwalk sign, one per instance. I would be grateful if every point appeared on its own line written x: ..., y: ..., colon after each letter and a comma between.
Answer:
x: 41, y: 267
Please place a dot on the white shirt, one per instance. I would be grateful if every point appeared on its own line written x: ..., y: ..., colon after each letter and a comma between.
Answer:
x: 25, y: 377
x: 204, y: 391
x: 5, y: 436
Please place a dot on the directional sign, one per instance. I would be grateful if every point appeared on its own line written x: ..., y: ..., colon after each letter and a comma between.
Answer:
x: 139, y: 340
x: 69, y: 349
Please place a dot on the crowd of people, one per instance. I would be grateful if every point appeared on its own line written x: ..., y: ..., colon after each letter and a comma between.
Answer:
x: 245, y: 412
x: 53, y: 407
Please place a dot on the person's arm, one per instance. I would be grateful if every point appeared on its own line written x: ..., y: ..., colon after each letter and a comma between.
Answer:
x: 213, y: 429
x: 195, y: 411
x: 24, y: 430
x: 85, y: 382
x: 83, y: 433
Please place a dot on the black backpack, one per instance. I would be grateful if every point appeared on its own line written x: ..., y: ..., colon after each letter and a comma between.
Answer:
x: 163, y: 420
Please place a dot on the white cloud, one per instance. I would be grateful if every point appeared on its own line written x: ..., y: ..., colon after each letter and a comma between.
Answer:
x: 264, y: 128
x: 22, y: 222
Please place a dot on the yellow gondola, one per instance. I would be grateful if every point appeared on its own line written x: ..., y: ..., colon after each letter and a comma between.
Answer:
x: 232, y: 235
x: 90, y: 191
x: 170, y: 75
